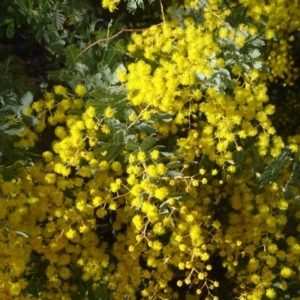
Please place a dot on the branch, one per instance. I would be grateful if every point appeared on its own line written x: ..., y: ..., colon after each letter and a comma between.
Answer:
x: 142, y: 29
x: 111, y: 38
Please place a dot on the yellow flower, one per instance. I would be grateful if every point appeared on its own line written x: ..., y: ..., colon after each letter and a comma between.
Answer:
x: 272, y: 248
x: 223, y: 33
x: 93, y: 163
x: 159, y: 229
x: 60, y: 90
x: 156, y: 245
x: 270, y: 293
x: 179, y: 283
x: 116, y: 166
x: 15, y: 289
x: 269, y: 34
x: 48, y: 156
x: 80, y: 90
x: 283, y: 204
x: 38, y: 106
x: 70, y: 234
x: 205, y: 256
x: 97, y: 201
x: 214, y: 172
x: 202, y: 171
x: 286, y: 272
x: 161, y: 169
x: 151, y: 261
x: 138, y: 222
x: 90, y: 112
x: 115, y: 186
x: 65, y: 273
x: 105, y: 128
x: 110, y: 4
x: 60, y: 132
x: 220, y: 63
x: 122, y: 75
x: 109, y: 112
x: 195, y: 182
x: 62, y: 169
x: 240, y: 40
x: 231, y: 169
x: 50, y: 178
x: 104, y: 165
x: 161, y: 193
x: 236, y: 70
x: 85, y: 171
x: 204, y: 181
x: 151, y: 169
x: 141, y: 156
x: 196, y: 236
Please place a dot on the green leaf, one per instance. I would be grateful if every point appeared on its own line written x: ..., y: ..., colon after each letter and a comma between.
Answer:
x: 115, y: 124
x: 10, y: 31
x: 72, y: 54
x: 81, y: 68
x: 206, y: 163
x: 181, y: 196
x: 271, y: 172
x: 258, y: 65
x: 102, y: 100
x: 167, y: 154
x: 58, y: 19
x: 144, y: 127
x: 256, y: 41
x: 109, y: 76
x: 163, y: 117
x: 149, y: 142
x: 75, y: 111
x: 101, y: 292
x: 132, y: 145
x: 254, y: 53
x: 113, y: 152
x: 105, y: 137
x: 98, y: 94
x: 238, y: 16
x: 164, y: 208
x: 295, y: 176
x: 173, y: 174
x: 31, y: 153
x: 100, y: 106
x: 119, y: 137
x: 12, y: 129
x: 22, y: 234
x: 238, y: 158
x: 174, y: 164
x: 29, y: 121
x: 10, y: 172
x: 26, y: 100
x: 6, y: 21
x: 104, y: 147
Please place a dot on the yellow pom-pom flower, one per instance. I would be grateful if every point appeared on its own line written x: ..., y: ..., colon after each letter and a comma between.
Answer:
x: 80, y: 90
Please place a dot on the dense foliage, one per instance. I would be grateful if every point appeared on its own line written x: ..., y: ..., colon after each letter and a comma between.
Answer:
x: 150, y: 152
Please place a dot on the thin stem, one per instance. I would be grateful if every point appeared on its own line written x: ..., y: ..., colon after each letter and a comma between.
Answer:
x: 111, y: 38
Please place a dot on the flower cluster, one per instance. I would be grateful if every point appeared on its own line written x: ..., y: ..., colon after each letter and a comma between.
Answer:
x: 175, y: 195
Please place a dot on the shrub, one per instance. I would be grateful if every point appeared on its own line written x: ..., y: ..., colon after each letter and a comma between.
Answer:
x: 163, y: 167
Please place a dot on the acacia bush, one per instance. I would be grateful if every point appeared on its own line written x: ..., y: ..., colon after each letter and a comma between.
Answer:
x: 154, y: 162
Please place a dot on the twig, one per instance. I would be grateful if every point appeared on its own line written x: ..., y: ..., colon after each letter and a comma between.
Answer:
x: 142, y: 29
x: 162, y: 11
x: 111, y: 37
